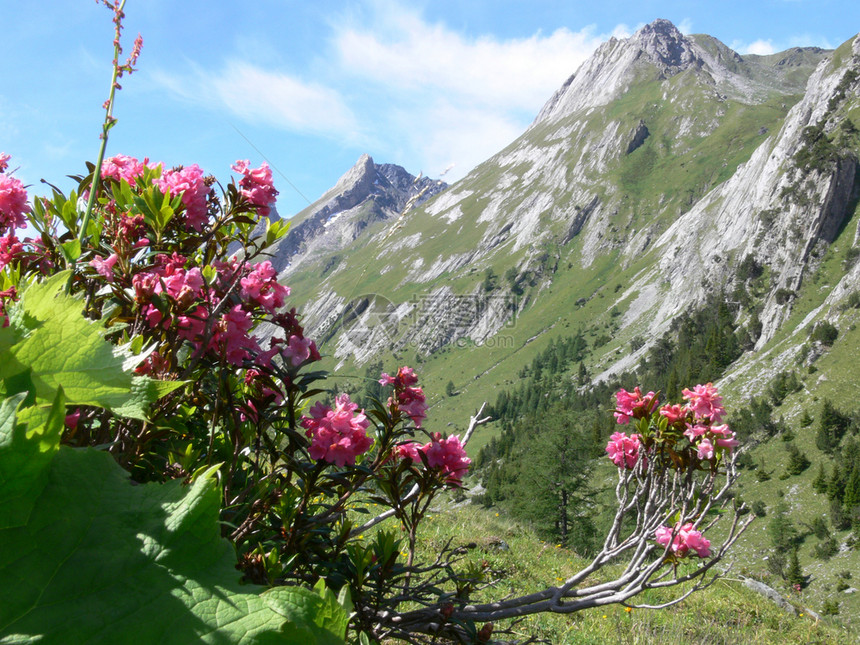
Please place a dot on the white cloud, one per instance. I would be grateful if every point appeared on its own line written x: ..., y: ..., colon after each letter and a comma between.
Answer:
x: 456, y: 99
x: 685, y: 26
x: 409, y: 91
x: 758, y: 47
x: 271, y: 97
x: 513, y: 74
x: 764, y: 47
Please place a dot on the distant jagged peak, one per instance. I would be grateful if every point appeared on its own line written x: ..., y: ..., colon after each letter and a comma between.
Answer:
x: 667, y: 47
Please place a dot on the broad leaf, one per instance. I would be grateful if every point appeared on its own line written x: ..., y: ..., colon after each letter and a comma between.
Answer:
x: 96, y: 559
x: 57, y: 347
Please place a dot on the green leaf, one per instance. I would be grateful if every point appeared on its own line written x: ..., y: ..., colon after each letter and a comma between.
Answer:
x: 71, y: 250
x: 94, y: 559
x: 57, y: 347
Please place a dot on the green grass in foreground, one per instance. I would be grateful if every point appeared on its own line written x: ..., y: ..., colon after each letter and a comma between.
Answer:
x: 726, y: 612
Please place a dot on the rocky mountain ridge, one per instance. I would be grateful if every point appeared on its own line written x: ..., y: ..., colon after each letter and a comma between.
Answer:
x: 366, y: 194
x: 662, y: 164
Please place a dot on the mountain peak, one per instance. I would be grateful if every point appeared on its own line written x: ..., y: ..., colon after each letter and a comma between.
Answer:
x: 667, y: 47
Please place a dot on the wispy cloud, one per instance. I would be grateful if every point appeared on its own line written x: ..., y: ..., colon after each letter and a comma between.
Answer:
x: 271, y: 97
x: 413, y: 90
x: 764, y: 47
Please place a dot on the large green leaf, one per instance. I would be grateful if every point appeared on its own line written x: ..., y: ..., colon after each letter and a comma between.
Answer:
x: 52, y: 345
x: 96, y: 559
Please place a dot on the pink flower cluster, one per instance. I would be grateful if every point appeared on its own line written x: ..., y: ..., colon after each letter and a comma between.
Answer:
x: 407, y: 399
x: 191, y: 300
x: 121, y: 167
x: 623, y: 450
x: 190, y: 182
x: 698, y: 420
x: 257, y: 185
x: 337, y: 435
x: 13, y: 199
x: 445, y: 455
x: 683, y: 540
x: 633, y: 404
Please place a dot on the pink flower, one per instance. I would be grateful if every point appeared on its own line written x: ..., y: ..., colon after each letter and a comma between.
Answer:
x: 407, y: 399
x: 705, y: 449
x: 257, y: 186
x: 231, y: 333
x: 13, y: 203
x: 121, y: 167
x: 71, y: 420
x: 337, y: 435
x: 190, y: 182
x: 10, y: 249
x: 104, y: 267
x: 409, y: 450
x: 674, y: 413
x: 298, y: 350
x: 683, y: 539
x: 724, y: 438
x: 449, y: 456
x: 633, y: 404
x: 4, y: 161
x: 705, y: 402
x: 623, y: 450
x: 261, y: 287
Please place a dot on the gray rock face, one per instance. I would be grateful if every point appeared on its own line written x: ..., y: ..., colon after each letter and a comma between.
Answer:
x: 365, y: 194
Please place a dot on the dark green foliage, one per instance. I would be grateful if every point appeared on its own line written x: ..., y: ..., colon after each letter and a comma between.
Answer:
x: 783, y: 295
x: 490, y: 279
x: 825, y: 333
x: 782, y: 532
x: 832, y: 425
x: 830, y: 607
x: 805, y: 419
x: 851, y: 255
x: 794, y: 574
x: 759, y: 508
x: 816, y: 151
x: 826, y: 549
x: 797, y: 461
x: 450, y: 390
x: 819, y: 484
x: 698, y: 347
x: 749, y: 269
x: 542, y: 475
x: 754, y: 418
x: 783, y: 384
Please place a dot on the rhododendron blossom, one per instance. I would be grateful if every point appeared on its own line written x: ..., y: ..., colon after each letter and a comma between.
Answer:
x: 104, y: 267
x: 449, y: 456
x: 10, y: 249
x: 261, y: 287
x: 337, y: 435
x: 407, y: 399
x: 190, y: 182
x: 4, y: 161
x: 623, y: 450
x: 704, y: 401
x: 121, y: 167
x: 13, y: 203
x: 684, y: 540
x: 257, y: 185
x: 633, y: 404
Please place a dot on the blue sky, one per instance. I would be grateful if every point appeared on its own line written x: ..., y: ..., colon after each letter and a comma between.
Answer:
x: 310, y: 86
